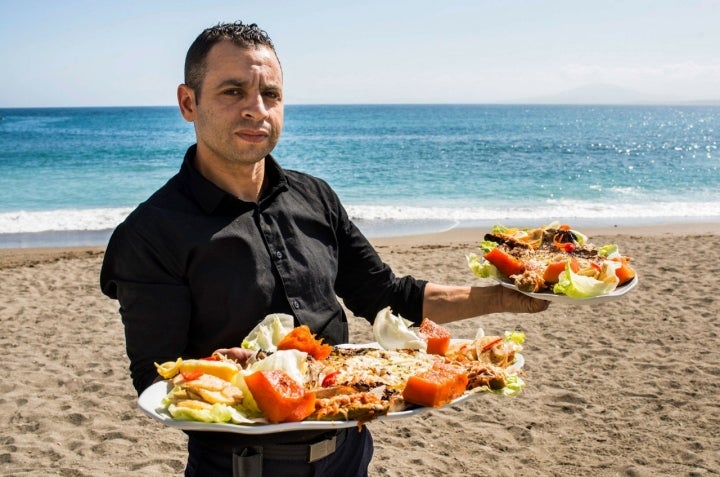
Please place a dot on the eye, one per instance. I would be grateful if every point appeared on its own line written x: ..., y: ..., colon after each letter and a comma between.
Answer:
x: 272, y: 95
x: 233, y: 92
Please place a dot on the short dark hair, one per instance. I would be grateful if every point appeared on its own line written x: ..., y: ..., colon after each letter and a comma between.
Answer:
x: 246, y: 36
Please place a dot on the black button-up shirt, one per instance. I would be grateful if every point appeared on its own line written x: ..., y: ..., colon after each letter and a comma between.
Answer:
x: 195, y: 269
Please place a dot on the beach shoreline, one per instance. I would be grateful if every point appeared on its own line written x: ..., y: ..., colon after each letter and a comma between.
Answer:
x: 20, y: 256
x: 627, y: 388
x: 465, y: 234
x: 410, y: 229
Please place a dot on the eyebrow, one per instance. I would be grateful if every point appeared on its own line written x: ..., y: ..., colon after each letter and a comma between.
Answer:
x: 243, y: 83
x: 233, y: 82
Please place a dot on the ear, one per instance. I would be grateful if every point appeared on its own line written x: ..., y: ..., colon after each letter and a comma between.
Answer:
x: 186, y: 101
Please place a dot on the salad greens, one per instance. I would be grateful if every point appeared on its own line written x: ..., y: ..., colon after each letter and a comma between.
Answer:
x: 580, y: 286
x: 481, y: 267
x: 393, y: 332
x: 218, y: 413
x: 515, y: 385
x: 584, y: 283
x: 268, y: 333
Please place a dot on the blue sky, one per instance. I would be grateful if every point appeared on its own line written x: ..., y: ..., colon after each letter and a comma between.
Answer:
x: 131, y: 52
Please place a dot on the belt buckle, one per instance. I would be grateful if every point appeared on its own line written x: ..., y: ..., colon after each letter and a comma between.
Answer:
x: 322, y: 449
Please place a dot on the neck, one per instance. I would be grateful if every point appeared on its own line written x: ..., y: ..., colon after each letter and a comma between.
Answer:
x: 244, y: 181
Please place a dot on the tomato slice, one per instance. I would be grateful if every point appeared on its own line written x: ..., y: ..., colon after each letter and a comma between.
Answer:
x: 330, y: 379
x: 191, y: 375
x: 436, y: 336
x: 553, y: 270
x: 624, y: 272
x: 503, y: 261
x: 280, y: 397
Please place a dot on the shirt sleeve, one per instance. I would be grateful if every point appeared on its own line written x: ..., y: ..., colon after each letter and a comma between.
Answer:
x: 367, y: 284
x: 155, y: 304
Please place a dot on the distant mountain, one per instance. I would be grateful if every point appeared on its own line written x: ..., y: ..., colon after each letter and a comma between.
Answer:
x: 609, y: 94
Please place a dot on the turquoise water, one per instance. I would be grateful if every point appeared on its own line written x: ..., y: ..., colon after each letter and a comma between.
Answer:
x: 398, y: 168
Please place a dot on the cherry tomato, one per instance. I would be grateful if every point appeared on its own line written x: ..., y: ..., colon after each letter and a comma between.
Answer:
x: 330, y: 379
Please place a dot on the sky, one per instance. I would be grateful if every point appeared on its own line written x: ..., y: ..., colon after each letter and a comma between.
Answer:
x: 131, y: 52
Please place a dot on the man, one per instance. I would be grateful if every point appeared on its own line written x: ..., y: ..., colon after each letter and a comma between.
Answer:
x: 234, y: 237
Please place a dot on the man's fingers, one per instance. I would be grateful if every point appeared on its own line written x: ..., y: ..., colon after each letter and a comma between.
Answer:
x: 520, y: 303
x: 536, y: 305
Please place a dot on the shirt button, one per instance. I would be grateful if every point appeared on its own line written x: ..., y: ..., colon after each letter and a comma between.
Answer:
x: 296, y: 304
x: 278, y: 254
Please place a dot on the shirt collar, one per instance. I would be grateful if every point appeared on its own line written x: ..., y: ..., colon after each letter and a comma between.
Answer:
x: 210, y: 197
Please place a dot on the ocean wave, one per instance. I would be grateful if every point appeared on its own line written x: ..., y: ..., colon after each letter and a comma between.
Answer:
x: 549, y: 209
x: 23, y: 221
x: 441, y: 216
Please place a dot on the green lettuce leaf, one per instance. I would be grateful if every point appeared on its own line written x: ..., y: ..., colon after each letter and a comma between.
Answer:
x: 487, y: 245
x: 249, y: 404
x: 501, y: 229
x: 515, y: 385
x: 517, y: 337
x: 609, y: 250
x: 581, y: 238
x: 268, y: 333
x: 580, y: 286
x: 393, y: 332
x: 292, y: 361
x: 481, y: 267
x: 168, y: 398
x: 217, y: 413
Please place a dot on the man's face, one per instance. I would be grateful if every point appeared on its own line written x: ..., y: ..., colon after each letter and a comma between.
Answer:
x: 239, y: 114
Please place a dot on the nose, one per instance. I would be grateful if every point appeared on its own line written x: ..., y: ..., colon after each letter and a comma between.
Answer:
x: 254, y: 108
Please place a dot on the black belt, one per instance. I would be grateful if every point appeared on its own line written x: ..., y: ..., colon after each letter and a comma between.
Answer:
x: 326, y: 444
x: 309, y: 452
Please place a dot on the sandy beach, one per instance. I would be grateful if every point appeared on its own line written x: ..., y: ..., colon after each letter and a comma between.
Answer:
x: 627, y: 388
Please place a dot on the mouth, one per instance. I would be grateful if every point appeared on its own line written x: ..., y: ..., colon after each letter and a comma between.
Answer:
x: 252, y: 135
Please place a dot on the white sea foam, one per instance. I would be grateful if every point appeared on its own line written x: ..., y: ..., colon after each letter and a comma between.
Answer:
x: 383, y: 219
x: 61, y: 220
x: 550, y: 209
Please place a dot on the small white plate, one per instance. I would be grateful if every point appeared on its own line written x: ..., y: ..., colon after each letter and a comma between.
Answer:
x: 554, y: 297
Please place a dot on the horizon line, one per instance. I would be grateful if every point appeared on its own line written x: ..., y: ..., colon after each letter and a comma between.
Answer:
x: 700, y: 102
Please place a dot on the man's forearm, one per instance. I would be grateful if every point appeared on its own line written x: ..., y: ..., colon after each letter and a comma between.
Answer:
x: 444, y: 304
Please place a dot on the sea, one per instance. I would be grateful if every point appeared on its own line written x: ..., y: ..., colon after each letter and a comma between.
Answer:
x: 68, y: 176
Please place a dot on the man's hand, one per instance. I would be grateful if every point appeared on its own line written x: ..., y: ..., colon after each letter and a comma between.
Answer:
x: 239, y: 355
x: 515, y: 302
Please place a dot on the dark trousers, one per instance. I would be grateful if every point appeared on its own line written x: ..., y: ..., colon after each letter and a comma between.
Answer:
x: 351, y: 459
